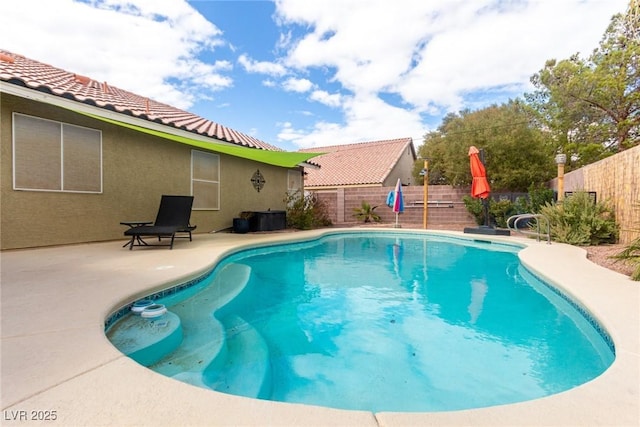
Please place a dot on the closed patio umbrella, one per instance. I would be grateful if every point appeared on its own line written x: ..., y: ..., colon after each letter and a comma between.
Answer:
x: 398, y: 203
x: 479, y: 185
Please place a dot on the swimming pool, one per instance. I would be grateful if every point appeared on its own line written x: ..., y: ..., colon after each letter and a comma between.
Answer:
x: 375, y: 322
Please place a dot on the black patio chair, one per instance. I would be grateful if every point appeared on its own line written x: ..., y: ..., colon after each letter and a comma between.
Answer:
x: 173, y: 218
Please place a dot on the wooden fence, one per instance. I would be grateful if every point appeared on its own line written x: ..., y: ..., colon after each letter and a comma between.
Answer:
x: 616, y: 180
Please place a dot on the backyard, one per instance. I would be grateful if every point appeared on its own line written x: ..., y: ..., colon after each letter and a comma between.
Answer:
x: 86, y: 381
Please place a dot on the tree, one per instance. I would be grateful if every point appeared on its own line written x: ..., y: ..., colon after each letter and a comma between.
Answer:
x: 517, y: 154
x: 592, y: 106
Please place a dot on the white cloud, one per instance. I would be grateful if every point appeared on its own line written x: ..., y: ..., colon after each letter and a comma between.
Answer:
x: 261, y: 67
x: 381, y: 65
x: 499, y: 50
x: 435, y: 56
x: 284, y: 40
x: 326, y: 98
x: 206, y: 75
x: 288, y: 133
x: 361, y: 115
x: 143, y: 46
x: 297, y: 85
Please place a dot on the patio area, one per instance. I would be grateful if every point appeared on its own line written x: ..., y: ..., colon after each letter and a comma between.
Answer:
x: 57, y: 362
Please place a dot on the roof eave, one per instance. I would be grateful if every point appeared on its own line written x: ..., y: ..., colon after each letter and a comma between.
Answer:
x: 78, y: 106
x: 399, y: 155
x: 109, y: 115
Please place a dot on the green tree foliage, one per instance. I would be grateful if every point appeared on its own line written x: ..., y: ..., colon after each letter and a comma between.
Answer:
x: 592, y: 106
x: 516, y: 155
x: 585, y: 108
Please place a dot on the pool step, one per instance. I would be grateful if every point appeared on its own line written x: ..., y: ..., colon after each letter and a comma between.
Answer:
x: 247, y: 371
x: 146, y: 340
x: 204, y: 344
x: 227, y: 284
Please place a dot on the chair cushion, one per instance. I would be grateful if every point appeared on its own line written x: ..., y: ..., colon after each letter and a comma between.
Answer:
x: 151, y: 230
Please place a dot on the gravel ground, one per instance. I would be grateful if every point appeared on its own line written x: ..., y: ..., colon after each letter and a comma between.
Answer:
x: 601, y: 255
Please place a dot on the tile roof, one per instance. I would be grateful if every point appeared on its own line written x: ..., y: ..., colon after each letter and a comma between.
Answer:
x: 19, y: 70
x: 364, y: 163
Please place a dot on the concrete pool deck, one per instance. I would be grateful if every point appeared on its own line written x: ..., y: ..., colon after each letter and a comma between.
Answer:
x: 57, y: 362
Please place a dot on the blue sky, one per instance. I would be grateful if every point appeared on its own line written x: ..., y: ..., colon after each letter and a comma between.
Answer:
x: 305, y: 73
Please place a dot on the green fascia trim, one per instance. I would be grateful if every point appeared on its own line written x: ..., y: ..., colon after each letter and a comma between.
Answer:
x: 284, y: 159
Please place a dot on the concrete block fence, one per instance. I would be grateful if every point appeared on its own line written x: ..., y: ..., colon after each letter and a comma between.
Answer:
x: 445, y: 205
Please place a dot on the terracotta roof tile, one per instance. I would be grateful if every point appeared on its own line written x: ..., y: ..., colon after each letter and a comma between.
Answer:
x: 6, y: 58
x: 365, y: 163
x: 17, y: 69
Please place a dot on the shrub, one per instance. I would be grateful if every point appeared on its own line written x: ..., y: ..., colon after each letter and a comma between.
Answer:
x: 501, y: 211
x: 366, y: 213
x: 475, y: 208
x: 580, y: 221
x: 537, y: 197
x: 305, y: 212
x: 631, y: 254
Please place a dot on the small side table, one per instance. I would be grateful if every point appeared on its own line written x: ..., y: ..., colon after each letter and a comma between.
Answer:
x: 134, y: 224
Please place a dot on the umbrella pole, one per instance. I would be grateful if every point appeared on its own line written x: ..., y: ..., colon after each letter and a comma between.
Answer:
x: 485, y: 204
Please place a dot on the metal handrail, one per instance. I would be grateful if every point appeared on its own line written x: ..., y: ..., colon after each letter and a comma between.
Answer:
x: 515, y: 218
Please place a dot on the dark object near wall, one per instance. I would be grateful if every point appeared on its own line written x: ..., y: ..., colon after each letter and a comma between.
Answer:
x: 488, y: 230
x: 592, y: 194
x: 240, y: 225
x: 267, y: 220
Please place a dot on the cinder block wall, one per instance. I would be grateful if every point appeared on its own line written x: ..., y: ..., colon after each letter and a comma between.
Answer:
x: 445, y: 205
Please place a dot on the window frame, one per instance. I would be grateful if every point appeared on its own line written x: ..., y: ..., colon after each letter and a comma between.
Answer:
x: 61, y: 151
x: 298, y: 178
x: 194, y: 179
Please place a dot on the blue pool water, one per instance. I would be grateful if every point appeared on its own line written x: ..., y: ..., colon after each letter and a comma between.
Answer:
x: 381, y: 322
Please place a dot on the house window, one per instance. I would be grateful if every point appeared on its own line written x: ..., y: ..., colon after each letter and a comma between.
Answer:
x: 205, y: 180
x: 54, y: 156
x: 294, y: 181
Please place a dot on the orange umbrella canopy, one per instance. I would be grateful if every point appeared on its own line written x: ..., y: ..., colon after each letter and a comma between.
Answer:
x: 480, y: 185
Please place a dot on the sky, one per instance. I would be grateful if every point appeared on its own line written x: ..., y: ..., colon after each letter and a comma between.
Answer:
x: 311, y: 73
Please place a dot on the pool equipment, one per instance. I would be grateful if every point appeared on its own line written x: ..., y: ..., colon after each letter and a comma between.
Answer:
x: 139, y: 306
x: 153, y: 311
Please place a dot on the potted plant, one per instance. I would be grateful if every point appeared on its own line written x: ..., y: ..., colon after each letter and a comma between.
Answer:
x: 241, y: 223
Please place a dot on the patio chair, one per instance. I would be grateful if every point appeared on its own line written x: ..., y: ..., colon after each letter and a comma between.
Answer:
x: 173, y: 218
